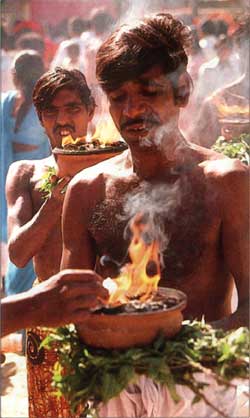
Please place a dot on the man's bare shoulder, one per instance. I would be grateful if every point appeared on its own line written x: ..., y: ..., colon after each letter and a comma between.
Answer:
x: 217, y: 165
x: 26, y: 168
x: 112, y: 168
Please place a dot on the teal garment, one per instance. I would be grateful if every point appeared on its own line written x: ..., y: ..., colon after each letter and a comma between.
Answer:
x: 30, y: 132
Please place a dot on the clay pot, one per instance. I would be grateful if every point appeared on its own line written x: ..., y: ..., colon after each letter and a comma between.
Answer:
x: 232, y: 128
x: 126, y: 330
x: 70, y: 162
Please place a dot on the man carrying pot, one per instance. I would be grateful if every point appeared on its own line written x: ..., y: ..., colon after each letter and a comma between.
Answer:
x: 195, y: 198
x: 65, y: 106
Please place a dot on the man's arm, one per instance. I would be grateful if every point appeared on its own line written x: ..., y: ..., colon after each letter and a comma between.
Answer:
x: 29, y: 232
x: 235, y: 240
x: 64, y: 298
x: 78, y: 245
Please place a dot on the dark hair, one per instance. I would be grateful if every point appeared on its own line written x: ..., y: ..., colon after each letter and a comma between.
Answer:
x: 31, y: 40
x: 52, y: 81
x: 132, y: 50
x: 27, y: 68
x: 76, y: 25
x: 209, y: 27
x: 102, y: 22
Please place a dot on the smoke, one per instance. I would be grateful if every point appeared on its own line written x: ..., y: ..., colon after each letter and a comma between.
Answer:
x: 155, y: 203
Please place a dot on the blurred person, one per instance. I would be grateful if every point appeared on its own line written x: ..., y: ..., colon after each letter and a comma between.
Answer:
x: 220, y: 71
x: 23, y: 27
x: 76, y: 27
x: 30, y: 40
x: 64, y: 106
x: 208, y: 35
x: 73, y: 59
x: 196, y: 59
x: 102, y: 23
x: 23, y: 138
x: 7, y: 54
x: 222, y: 105
x: 185, y: 192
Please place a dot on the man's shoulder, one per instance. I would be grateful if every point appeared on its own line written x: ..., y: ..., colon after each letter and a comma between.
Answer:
x: 26, y: 168
x: 224, y: 169
x: 101, y: 172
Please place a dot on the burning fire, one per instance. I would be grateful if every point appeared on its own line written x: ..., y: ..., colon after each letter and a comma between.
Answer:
x: 68, y: 140
x: 106, y: 131
x: 138, y: 279
x: 105, y: 134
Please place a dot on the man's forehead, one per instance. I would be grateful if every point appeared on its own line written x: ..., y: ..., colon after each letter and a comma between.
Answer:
x: 64, y: 95
x: 155, y: 76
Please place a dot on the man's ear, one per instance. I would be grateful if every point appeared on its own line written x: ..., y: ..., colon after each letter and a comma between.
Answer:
x: 183, y: 90
x: 91, y: 111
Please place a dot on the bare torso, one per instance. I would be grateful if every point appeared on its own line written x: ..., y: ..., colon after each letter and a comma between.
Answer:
x: 191, y: 213
x: 34, y: 223
x: 47, y: 260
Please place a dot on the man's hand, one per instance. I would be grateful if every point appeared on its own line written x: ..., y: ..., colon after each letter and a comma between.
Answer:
x: 64, y: 298
x: 68, y: 296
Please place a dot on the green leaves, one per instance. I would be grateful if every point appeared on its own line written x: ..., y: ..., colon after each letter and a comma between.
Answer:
x: 85, y: 373
x: 236, y: 148
x: 49, y: 181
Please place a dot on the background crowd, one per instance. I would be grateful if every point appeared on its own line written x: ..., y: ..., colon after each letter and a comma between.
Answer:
x: 29, y: 48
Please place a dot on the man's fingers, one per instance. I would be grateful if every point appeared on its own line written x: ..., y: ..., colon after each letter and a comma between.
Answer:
x: 79, y: 275
x: 76, y: 289
x: 83, y: 302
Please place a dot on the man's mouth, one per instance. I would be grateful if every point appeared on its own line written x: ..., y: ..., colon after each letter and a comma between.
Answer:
x: 141, y: 127
x: 64, y: 131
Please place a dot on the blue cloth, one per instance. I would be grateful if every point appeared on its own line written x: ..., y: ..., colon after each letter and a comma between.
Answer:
x: 30, y: 132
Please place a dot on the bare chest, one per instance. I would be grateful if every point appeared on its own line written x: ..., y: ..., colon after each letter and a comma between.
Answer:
x: 183, y: 216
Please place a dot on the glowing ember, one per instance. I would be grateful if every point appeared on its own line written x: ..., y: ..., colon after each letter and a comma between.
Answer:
x: 68, y: 140
x: 138, y: 279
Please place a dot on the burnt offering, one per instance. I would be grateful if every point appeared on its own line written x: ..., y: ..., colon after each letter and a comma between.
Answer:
x: 135, y: 323
x: 136, y: 306
x: 75, y: 157
x: 93, y: 146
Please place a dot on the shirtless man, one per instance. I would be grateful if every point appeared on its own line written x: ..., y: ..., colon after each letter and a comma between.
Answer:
x: 65, y: 106
x: 199, y: 198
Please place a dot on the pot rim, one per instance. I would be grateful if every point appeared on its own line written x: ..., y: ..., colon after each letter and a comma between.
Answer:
x: 181, y: 304
x: 106, y: 150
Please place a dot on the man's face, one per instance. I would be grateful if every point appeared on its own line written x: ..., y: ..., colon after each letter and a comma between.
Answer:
x: 66, y: 115
x: 141, y: 106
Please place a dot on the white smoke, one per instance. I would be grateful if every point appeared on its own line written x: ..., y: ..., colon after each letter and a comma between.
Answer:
x: 155, y: 203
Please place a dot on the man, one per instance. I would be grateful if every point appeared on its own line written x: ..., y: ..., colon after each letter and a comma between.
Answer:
x: 65, y: 106
x: 64, y: 298
x: 195, y: 199
x: 190, y: 191
x: 220, y: 71
x: 230, y: 102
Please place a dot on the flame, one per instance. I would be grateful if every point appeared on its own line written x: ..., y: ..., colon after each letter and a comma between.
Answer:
x: 134, y: 281
x: 106, y: 132
x: 68, y: 140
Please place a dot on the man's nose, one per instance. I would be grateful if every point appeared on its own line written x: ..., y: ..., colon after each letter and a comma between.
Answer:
x: 134, y: 107
x: 62, y: 117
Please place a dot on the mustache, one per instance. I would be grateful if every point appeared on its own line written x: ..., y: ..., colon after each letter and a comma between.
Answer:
x: 147, y: 119
x: 60, y: 127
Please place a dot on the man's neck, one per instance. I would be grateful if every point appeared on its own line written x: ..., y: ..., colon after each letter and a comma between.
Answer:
x: 156, y: 161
